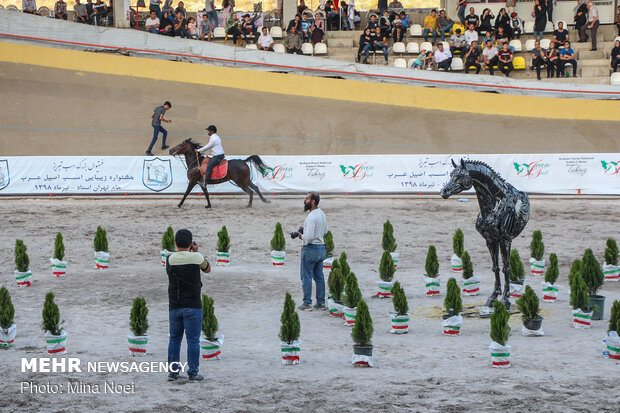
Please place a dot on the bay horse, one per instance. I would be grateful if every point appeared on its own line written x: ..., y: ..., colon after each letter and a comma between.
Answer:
x: 238, y: 171
x: 504, y: 212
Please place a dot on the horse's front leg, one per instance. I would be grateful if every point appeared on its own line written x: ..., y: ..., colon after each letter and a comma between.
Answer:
x: 497, y: 290
x: 206, y: 192
x: 190, y: 185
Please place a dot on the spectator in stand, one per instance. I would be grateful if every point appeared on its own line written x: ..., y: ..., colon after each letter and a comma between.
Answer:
x: 305, y: 29
x: 398, y: 32
x: 516, y: 25
x: 395, y: 4
x: 538, y: 58
x: 618, y: 20
x: 265, y: 41
x: 615, y: 56
x: 503, y: 20
x: 29, y: 6
x: 471, y: 34
x: 485, y: 21
x: 424, y: 59
x: 560, y: 35
x: 292, y: 42
x: 505, y: 57
x: 382, y: 5
x: 385, y: 23
x: 181, y: 9
x: 227, y: 9
x: 180, y: 26
x: 502, y: 38
x: 154, y: 6
x: 90, y: 10
x: 489, y: 54
x: 552, y: 60
x: 549, y: 6
x: 211, y: 12
x: 110, y: 12
x: 205, y: 27
x: 296, y: 23
x: 381, y: 44
x: 167, y: 6
x: 152, y: 23
x: 510, y: 6
x: 80, y: 12
x: 567, y: 55
x: 352, y: 14
x: 458, y: 43
x: 444, y: 24
x: 592, y: 24
x: 366, y: 43
x: 232, y: 27
x: 101, y: 10
x: 472, y: 18
x: 60, y: 10
x: 488, y: 37
x: 404, y: 20
x: 472, y: 57
x: 192, y: 28
x: 443, y: 58
x: 372, y: 23
x: 430, y: 26
x: 248, y: 29
x: 317, y: 29
x: 166, y: 25
x: 580, y: 17
x: 302, y: 6
x: 540, y: 19
x: 460, y: 10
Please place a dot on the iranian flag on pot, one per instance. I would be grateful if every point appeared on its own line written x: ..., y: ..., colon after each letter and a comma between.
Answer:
x: 24, y: 279
x: 537, y: 267
x: 457, y: 264
x: 516, y: 289
x: 500, y: 355
x: 335, y: 309
x: 102, y: 259
x: 432, y: 286
x: 164, y: 255
x: 385, y: 289
x: 582, y: 319
x: 137, y: 345
x: 550, y: 292
x: 471, y: 286
x: 611, y: 272
x: 277, y: 258
x: 56, y: 344
x: 223, y: 258
x: 327, y: 263
x: 59, y: 268
x: 613, y: 345
x: 7, y: 336
x: 452, y: 325
x: 211, y: 349
x: 348, y: 314
x: 290, y: 352
x: 400, y: 324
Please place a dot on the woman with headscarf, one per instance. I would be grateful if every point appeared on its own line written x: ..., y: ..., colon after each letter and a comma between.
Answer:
x: 540, y: 19
x: 485, y: 21
x: 503, y: 19
x: 227, y: 8
x: 317, y: 29
x: 165, y: 24
x: 232, y: 27
x: 580, y: 16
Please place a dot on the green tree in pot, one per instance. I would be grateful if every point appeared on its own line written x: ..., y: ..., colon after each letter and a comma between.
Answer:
x: 400, y: 317
x: 102, y: 257
x: 458, y: 241
x: 550, y: 289
x: 211, y: 342
x: 593, y: 276
x: 278, y: 245
x: 335, y: 284
x: 574, y: 269
x: 351, y: 299
x: 168, y: 245
x: 613, y: 332
x: 138, y: 325
x: 328, y: 239
x: 471, y: 284
x: 580, y: 301
x: 23, y: 275
x: 344, y: 265
x: 389, y: 242
x: 8, y: 330
x: 290, y: 329
x: 537, y: 250
x: 517, y: 274
x: 59, y: 265
x: 528, y: 304
x: 362, y: 336
x: 614, y: 319
x: 55, y: 336
x: 432, y: 271
x: 500, y: 331
x: 611, y: 270
x: 453, y: 305
x: 223, y: 247
x: 386, y: 272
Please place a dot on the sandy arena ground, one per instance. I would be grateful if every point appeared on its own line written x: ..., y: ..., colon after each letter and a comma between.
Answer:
x: 420, y: 371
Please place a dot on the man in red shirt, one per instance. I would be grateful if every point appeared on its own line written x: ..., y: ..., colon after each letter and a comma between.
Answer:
x: 505, y: 60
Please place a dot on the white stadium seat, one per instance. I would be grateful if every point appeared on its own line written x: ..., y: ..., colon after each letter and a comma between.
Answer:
x: 320, y: 49
x: 544, y: 43
x: 279, y: 48
x: 276, y: 32
x: 528, y: 27
x: 457, y: 64
x: 415, y: 30
x: 549, y: 27
x: 410, y: 62
x: 529, y: 45
x: 615, y: 78
x: 399, y: 48
x: 446, y: 45
x: 251, y: 46
x: 428, y: 46
x: 11, y: 7
x: 517, y: 45
x: 413, y: 48
x: 307, y: 49
x: 402, y: 63
x: 219, y: 33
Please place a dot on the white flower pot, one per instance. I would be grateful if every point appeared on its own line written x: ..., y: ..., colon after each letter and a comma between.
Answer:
x: 582, y: 319
x: 327, y: 263
x: 385, y: 289
x: 7, y: 337
x: 24, y: 279
x: 59, y: 268
x: 277, y: 258
x: 432, y: 286
x: 537, y: 267
x: 452, y: 325
x: 102, y: 259
x: 290, y: 352
x: 457, y: 264
x: 400, y: 324
x: 550, y: 292
x: 335, y: 309
x: 611, y: 272
x: 395, y: 258
x: 349, y: 316
x: 137, y: 345
x: 471, y: 286
x: 56, y: 344
x: 500, y: 355
x: 516, y: 290
x: 223, y: 258
x: 164, y: 255
x: 211, y: 350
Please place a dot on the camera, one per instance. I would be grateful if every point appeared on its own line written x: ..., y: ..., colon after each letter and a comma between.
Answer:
x: 296, y: 233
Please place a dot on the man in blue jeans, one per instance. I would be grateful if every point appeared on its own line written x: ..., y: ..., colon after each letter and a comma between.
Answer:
x: 313, y: 253
x: 158, y: 118
x: 185, y: 304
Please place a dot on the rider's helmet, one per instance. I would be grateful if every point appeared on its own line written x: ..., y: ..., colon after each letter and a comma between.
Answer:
x: 212, y: 128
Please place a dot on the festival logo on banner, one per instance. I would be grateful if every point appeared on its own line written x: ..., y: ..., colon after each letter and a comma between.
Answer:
x: 611, y: 168
x: 157, y: 174
x: 278, y: 173
x: 5, y: 176
x: 532, y: 170
x: 357, y: 172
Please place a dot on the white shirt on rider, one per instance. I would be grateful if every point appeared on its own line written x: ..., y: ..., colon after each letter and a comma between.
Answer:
x: 215, y: 144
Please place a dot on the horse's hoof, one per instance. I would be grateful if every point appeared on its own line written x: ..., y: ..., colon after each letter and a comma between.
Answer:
x: 266, y: 201
x: 179, y: 206
x: 207, y: 206
x: 248, y: 206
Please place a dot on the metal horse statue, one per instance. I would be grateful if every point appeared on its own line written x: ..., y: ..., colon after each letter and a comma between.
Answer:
x: 238, y: 172
x: 504, y: 212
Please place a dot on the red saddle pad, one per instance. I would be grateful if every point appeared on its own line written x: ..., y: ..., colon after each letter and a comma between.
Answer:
x: 219, y: 171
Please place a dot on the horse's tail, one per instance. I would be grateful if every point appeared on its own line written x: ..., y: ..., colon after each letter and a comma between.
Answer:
x: 258, y: 162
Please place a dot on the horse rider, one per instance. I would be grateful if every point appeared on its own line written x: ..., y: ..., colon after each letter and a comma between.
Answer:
x: 217, y: 150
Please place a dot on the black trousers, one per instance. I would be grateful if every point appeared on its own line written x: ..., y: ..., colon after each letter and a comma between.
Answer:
x: 492, y: 63
x: 473, y: 63
x: 537, y: 63
x: 505, y: 68
x: 562, y: 66
x: 212, y: 164
x: 235, y: 33
x: 552, y: 67
x: 615, y: 61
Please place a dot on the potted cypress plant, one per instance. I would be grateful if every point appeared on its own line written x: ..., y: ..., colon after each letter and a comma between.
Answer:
x: 289, y: 332
x: 457, y: 247
x: 528, y: 304
x: 139, y: 325
x: 471, y: 284
x: 613, y: 341
x: 389, y: 242
x: 8, y: 329
x: 593, y: 276
x: 386, y: 272
x: 351, y: 299
x: 574, y: 269
x: 500, y: 350
x: 278, y: 245
x: 550, y: 289
x: 452, y: 303
x: 55, y: 336
x: 537, y: 249
x: 611, y: 269
x: 102, y: 257
x: 328, y: 239
x: 335, y: 283
x: 211, y: 342
x: 400, y: 317
x: 344, y: 265
x: 517, y: 275
x: 362, y: 335
x: 59, y: 265
x: 431, y: 280
x: 168, y: 245
x: 579, y: 298
x: 23, y: 275
x: 223, y: 247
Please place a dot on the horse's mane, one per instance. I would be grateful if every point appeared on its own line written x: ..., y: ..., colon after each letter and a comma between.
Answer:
x: 195, y: 145
x: 484, y: 164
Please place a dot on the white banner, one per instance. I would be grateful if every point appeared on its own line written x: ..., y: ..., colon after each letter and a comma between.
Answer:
x: 547, y: 174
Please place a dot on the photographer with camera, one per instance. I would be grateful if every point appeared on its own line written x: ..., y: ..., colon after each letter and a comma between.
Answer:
x: 312, y: 253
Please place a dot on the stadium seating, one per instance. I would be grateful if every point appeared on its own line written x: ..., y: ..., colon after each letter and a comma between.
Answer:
x: 544, y: 43
x: 279, y: 48
x: 528, y: 27
x: 11, y: 7
x: 410, y: 62
x: 518, y: 63
x: 320, y: 49
x: 458, y: 26
x: 219, y: 33
x: 307, y: 49
x: 518, y: 46
x: 251, y: 46
x: 529, y: 45
x: 415, y: 30
x: 428, y: 46
x: 446, y: 45
x: 413, y: 48
x: 457, y: 64
x: 276, y: 32
x: 615, y: 78
x: 399, y: 48
x: 401, y: 63
x: 549, y: 27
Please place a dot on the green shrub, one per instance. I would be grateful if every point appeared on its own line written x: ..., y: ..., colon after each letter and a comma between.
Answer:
x: 335, y: 283
x: 468, y: 267
x: 591, y: 272
x: 59, y: 248
x: 388, y: 242
x: 399, y: 300
x: 277, y: 242
x: 553, y: 271
x: 167, y: 240
x: 611, y: 252
x: 7, y: 311
x: 574, y: 269
x: 352, y: 290
x: 386, y: 268
x: 499, y: 323
x: 223, y: 240
x: 579, y: 293
x: 528, y: 304
x: 138, y: 318
x: 517, y: 271
x: 21, y: 257
x: 344, y: 265
x: 453, y: 297
x: 537, y: 247
x: 362, y: 330
x: 101, y: 240
x: 51, y: 315
x: 432, y: 263
x: 209, y: 321
x: 290, y: 327
x: 328, y: 239
x: 458, y: 241
x: 614, y: 319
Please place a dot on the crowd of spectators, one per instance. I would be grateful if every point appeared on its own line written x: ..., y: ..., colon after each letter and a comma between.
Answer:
x: 90, y: 13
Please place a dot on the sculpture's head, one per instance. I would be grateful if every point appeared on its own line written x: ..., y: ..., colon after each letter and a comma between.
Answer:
x: 459, y: 181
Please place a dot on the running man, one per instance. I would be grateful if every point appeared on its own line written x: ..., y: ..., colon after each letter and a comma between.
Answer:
x: 158, y: 118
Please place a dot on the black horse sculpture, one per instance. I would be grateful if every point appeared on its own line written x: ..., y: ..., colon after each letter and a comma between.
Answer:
x: 504, y: 212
